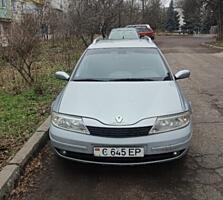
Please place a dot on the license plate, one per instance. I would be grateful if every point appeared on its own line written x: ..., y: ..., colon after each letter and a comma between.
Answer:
x: 118, y: 152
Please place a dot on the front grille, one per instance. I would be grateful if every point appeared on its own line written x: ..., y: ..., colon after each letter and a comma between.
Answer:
x: 119, y: 132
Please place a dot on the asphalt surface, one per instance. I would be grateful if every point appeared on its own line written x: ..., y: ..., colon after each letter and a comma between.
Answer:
x: 197, y: 177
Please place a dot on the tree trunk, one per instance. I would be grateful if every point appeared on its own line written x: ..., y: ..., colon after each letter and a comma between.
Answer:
x: 92, y: 37
x: 120, y: 14
x: 143, y: 10
x: 131, y: 11
x: 220, y: 20
x: 119, y: 18
x: 84, y: 40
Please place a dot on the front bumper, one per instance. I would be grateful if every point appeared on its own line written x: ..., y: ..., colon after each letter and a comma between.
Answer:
x: 158, y: 148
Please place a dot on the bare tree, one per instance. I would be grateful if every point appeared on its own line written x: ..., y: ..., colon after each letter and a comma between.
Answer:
x: 132, y: 12
x: 93, y: 17
x: 220, y: 19
x: 89, y: 18
x: 143, y: 9
x: 23, y: 46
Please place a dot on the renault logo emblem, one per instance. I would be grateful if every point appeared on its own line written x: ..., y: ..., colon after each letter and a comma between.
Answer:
x: 119, y: 119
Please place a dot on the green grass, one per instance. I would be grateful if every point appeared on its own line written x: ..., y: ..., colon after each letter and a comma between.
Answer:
x: 18, y: 113
x: 23, y: 108
x: 21, y: 114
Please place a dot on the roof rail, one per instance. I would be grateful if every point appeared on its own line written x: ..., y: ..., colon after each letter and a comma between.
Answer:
x: 97, y: 39
x: 147, y: 38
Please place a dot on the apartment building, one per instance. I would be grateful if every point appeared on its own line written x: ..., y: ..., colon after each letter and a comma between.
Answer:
x: 5, y: 19
x: 20, y: 7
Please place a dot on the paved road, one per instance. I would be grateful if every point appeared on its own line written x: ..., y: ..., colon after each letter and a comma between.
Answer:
x: 197, y: 177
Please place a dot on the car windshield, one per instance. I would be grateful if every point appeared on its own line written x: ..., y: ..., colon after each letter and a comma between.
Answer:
x: 123, y: 34
x: 122, y: 64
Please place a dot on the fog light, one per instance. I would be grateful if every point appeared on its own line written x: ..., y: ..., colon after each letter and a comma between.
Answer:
x: 63, y: 152
x: 175, y: 153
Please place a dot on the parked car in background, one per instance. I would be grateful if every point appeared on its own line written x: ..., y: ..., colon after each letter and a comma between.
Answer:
x: 122, y: 105
x: 143, y: 30
x: 123, y: 33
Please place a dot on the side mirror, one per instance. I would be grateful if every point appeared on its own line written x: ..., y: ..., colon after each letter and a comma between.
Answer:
x: 182, y: 74
x: 62, y: 75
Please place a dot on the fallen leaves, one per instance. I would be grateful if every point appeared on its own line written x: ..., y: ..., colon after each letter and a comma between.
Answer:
x: 26, y: 182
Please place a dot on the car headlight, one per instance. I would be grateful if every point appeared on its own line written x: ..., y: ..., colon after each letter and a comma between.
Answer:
x: 70, y: 123
x: 171, y: 122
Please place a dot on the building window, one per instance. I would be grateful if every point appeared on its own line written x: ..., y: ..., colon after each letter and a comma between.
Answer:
x: 3, y: 3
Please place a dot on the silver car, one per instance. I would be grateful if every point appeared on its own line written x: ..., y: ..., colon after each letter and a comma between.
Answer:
x: 122, y: 105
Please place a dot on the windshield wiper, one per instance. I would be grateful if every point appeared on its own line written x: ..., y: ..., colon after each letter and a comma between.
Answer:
x: 115, y: 80
x: 89, y: 80
x: 133, y: 79
x: 167, y: 77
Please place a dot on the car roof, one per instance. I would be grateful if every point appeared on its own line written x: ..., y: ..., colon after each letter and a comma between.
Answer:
x: 137, y: 43
x: 138, y: 25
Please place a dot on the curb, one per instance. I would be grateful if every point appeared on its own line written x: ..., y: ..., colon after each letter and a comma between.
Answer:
x: 11, y: 172
x: 212, y: 46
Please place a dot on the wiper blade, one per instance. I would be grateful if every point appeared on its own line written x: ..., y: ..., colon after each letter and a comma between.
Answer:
x: 134, y: 79
x: 115, y: 80
x: 89, y: 79
x: 167, y: 77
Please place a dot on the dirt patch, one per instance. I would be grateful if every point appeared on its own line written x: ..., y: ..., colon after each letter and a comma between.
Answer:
x: 25, y: 183
x: 6, y: 147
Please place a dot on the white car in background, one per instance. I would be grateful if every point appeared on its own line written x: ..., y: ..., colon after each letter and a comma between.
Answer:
x: 123, y: 33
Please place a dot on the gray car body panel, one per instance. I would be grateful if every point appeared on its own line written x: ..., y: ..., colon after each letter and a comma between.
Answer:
x: 134, y: 101
x: 172, y: 141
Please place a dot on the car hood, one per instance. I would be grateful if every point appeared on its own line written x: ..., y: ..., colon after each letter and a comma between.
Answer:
x: 133, y: 101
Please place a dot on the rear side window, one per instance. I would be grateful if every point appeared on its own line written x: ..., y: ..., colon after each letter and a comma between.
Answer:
x: 143, y: 29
